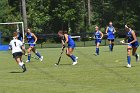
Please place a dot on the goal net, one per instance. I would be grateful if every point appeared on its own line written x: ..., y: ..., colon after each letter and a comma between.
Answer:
x: 7, y: 29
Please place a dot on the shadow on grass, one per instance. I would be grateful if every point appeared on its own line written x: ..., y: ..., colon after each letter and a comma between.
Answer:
x: 64, y: 64
x: 16, y: 72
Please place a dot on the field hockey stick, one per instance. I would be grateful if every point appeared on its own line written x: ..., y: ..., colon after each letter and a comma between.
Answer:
x: 60, y: 56
x: 28, y: 43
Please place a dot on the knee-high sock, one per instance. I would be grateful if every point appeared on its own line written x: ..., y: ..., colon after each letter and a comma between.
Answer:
x: 73, y: 58
x: 38, y: 54
x: 129, y: 60
x: 29, y: 57
x: 110, y: 46
x: 97, y: 51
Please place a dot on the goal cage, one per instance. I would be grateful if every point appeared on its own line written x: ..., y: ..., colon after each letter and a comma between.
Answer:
x: 6, y: 33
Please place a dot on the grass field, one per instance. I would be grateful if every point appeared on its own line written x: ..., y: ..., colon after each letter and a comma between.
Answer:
x: 93, y: 74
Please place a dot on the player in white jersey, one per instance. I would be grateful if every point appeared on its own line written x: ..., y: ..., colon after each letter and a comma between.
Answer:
x: 17, y: 47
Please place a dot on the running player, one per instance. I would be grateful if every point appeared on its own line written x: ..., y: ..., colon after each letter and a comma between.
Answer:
x: 110, y: 31
x: 66, y: 39
x: 32, y: 39
x: 132, y: 44
x: 17, y: 46
x: 98, y: 38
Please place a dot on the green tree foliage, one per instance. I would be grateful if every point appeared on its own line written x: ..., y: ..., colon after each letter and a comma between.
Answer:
x: 49, y: 16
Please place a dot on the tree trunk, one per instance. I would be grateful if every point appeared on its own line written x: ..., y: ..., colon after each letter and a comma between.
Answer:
x: 89, y: 13
x: 24, y: 13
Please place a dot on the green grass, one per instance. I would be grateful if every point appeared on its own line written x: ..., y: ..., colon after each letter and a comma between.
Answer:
x: 94, y: 74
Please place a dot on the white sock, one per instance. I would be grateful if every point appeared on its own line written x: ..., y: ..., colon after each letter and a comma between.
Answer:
x: 21, y: 64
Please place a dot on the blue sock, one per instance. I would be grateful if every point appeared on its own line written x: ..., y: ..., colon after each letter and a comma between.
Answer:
x: 97, y: 51
x: 110, y: 46
x: 38, y: 55
x: 73, y: 58
x: 29, y: 57
x: 128, y: 59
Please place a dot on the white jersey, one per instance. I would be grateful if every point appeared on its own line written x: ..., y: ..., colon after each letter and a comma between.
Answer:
x: 16, y: 45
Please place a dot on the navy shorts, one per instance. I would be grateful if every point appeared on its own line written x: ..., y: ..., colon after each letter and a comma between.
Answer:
x: 71, y: 45
x: 111, y: 40
x: 31, y: 45
x: 17, y: 54
x: 135, y: 44
x: 98, y: 41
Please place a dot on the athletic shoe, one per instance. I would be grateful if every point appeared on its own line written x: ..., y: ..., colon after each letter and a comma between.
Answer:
x: 96, y: 54
x: 41, y: 59
x: 74, y: 63
x: 24, y: 68
x: 128, y: 66
x: 137, y: 58
x: 27, y: 61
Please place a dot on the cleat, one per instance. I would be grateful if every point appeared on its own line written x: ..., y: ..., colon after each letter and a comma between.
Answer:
x: 137, y: 58
x: 41, y: 59
x: 74, y: 63
x: 128, y: 66
x: 96, y: 54
x: 27, y: 61
x: 24, y: 68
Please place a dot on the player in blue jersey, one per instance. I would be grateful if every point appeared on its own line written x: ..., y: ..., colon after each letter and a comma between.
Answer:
x: 98, y: 38
x: 110, y: 31
x: 20, y: 36
x: 132, y: 44
x: 32, y: 39
x: 66, y: 39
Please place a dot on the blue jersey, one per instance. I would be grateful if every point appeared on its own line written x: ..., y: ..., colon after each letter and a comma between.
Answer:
x: 30, y: 38
x: 130, y: 36
x: 130, y: 39
x: 97, y: 37
x: 110, y: 32
x: 70, y: 40
x: 20, y: 37
x: 71, y: 43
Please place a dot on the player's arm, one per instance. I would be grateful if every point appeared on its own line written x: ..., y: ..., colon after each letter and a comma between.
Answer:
x: 34, y: 37
x: 106, y: 30
x: 10, y: 46
x: 101, y: 34
x: 23, y: 49
x: 114, y: 31
x: 66, y: 39
x: 134, y: 36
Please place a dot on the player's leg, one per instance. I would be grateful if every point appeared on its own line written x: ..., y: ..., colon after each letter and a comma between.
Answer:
x: 37, y: 53
x: 129, y: 56
x: 29, y: 53
x: 135, y: 54
x: 20, y: 63
x: 23, y: 66
x: 112, y: 44
x: 69, y: 54
x: 97, y: 48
